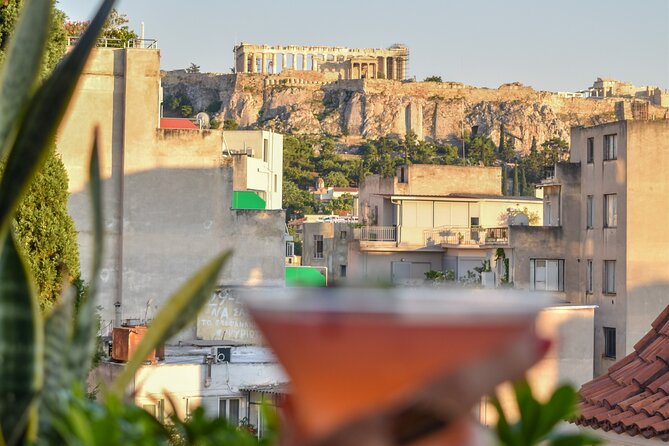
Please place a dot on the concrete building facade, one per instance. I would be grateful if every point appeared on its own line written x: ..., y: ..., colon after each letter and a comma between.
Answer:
x: 608, y: 213
x: 325, y: 244
x: 167, y: 193
x: 348, y: 63
x: 434, y: 218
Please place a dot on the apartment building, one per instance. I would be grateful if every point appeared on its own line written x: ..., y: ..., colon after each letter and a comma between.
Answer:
x: 435, y: 218
x: 606, y: 212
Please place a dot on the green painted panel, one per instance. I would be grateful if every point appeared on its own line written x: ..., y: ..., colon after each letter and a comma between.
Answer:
x: 304, y: 276
x: 246, y: 199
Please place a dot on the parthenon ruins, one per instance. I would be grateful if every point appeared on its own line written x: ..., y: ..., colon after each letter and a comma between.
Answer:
x: 346, y: 63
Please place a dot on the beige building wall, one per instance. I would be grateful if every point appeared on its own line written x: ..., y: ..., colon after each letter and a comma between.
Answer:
x: 647, y: 213
x: 637, y: 245
x: 336, y: 237
x: 432, y: 179
x: 167, y: 193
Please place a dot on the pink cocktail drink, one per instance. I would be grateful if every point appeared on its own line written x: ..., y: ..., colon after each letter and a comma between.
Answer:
x: 347, y: 356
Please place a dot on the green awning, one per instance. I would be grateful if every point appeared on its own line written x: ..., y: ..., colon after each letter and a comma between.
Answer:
x: 246, y: 199
x: 304, y: 276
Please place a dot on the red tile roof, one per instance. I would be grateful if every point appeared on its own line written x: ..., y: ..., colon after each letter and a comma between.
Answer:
x: 633, y: 397
x: 177, y: 123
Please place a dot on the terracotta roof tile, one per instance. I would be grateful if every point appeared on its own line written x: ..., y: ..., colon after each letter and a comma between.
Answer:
x: 663, y: 354
x: 641, y: 344
x: 632, y: 398
x: 654, y: 385
x: 649, y: 353
x: 650, y: 372
x: 661, y: 319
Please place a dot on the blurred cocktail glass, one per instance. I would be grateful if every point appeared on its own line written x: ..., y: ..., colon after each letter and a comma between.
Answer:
x: 352, y: 352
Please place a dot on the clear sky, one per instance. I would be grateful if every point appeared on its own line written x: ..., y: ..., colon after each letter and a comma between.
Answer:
x: 551, y: 45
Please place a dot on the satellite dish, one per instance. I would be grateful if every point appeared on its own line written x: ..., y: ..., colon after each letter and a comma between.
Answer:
x: 202, y: 120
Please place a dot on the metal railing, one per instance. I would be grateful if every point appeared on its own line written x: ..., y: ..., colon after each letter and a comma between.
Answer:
x: 450, y: 235
x: 376, y: 233
x: 103, y: 42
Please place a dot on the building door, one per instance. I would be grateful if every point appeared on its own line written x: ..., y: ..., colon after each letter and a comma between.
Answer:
x: 400, y: 272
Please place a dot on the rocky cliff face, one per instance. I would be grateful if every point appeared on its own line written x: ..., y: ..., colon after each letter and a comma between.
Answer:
x: 304, y: 103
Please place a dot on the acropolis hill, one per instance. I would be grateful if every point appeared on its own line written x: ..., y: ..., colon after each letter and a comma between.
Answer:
x: 307, y: 90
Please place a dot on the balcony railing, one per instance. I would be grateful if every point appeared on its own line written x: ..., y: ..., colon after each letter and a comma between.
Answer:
x: 104, y: 42
x: 466, y: 236
x: 376, y: 233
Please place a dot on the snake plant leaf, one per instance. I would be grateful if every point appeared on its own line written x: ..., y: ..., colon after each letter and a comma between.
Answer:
x: 85, y: 325
x: 42, y: 118
x: 58, y: 330
x: 180, y: 309
x: 21, y: 346
x: 22, y: 67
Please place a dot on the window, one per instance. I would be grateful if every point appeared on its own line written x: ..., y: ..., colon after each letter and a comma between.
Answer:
x: 342, y: 270
x: 589, y: 211
x: 610, y: 211
x: 276, y: 182
x: 343, y: 235
x: 318, y: 246
x: 590, y: 150
x: 547, y: 275
x: 610, y: 147
x: 265, y: 150
x: 609, y: 277
x: 609, y: 342
x: 474, y: 222
x: 402, y: 178
x: 229, y: 409
x: 588, y: 277
x: 290, y: 249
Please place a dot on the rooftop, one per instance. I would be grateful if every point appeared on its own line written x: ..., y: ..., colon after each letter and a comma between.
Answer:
x: 460, y: 196
x: 633, y: 396
x: 177, y: 123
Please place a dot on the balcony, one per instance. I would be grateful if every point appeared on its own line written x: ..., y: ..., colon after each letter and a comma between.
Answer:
x: 449, y: 235
x: 433, y: 237
x: 376, y: 233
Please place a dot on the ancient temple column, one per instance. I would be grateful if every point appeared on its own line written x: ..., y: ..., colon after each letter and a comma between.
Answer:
x: 390, y: 68
x: 263, y: 65
x: 314, y: 63
x: 274, y: 70
x: 254, y: 66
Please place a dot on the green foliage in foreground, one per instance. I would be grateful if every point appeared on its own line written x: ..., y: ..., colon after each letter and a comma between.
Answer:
x: 539, y: 422
x: 45, y: 360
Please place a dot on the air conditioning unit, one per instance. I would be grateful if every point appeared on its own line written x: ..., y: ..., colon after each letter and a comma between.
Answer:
x: 221, y: 354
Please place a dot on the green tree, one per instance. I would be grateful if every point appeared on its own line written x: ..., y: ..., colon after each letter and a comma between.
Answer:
x: 336, y: 179
x: 343, y: 203
x: 46, y: 232
x: 506, y: 151
x: 516, y: 182
x: 554, y: 150
x: 523, y: 183
x: 56, y: 43
x: 230, y: 124
x: 433, y: 79
x: 116, y: 27
x: 193, y: 68
x: 505, y: 180
x: 297, y: 201
x: 480, y: 149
